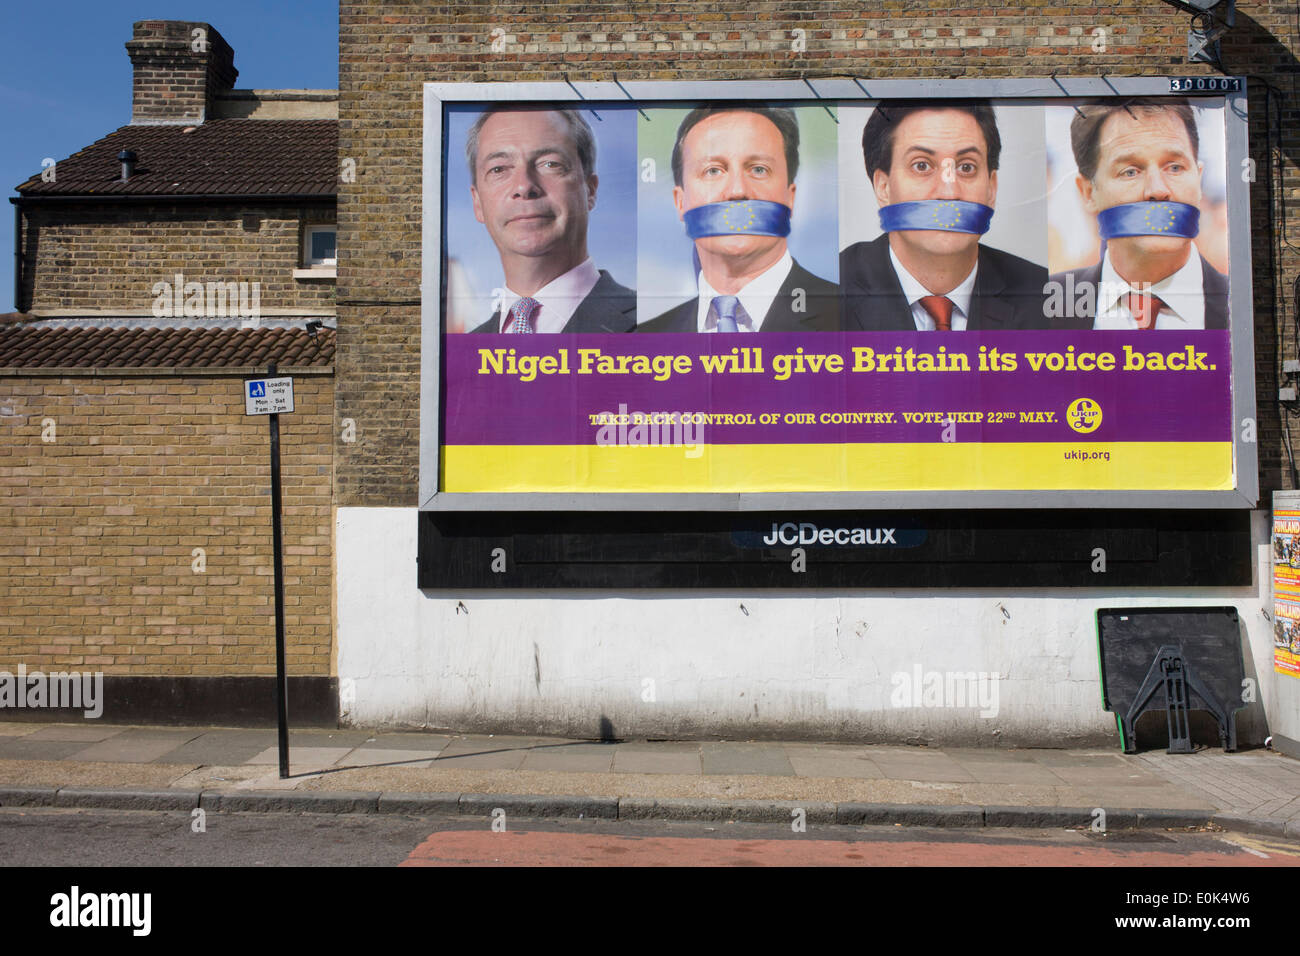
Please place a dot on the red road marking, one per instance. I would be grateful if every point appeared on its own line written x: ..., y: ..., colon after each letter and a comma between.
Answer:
x: 537, y: 848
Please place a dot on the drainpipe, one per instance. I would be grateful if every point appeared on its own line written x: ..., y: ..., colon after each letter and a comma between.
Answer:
x: 18, y: 254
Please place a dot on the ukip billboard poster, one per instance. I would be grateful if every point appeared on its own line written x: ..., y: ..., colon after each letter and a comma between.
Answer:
x: 1003, y: 290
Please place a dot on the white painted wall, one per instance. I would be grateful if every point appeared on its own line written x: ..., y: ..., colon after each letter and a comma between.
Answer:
x: 816, y: 664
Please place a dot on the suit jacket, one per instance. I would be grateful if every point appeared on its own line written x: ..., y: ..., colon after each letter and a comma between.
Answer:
x: 1008, y: 291
x: 608, y: 307
x: 821, y: 308
x: 1213, y: 283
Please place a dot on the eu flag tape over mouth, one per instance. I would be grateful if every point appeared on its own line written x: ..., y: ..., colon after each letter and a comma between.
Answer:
x: 945, y: 215
x: 739, y: 217
x: 1149, y: 219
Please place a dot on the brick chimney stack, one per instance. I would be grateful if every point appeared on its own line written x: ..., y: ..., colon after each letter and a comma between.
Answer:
x: 180, y: 68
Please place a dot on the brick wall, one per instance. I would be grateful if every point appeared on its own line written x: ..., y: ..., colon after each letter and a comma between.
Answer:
x: 387, y: 50
x: 108, y: 256
x: 178, y: 69
x: 98, y: 527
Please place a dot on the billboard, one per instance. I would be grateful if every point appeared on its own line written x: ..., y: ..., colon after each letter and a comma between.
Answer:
x: 743, y: 295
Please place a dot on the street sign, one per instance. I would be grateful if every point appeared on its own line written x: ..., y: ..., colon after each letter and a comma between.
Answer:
x: 268, y: 396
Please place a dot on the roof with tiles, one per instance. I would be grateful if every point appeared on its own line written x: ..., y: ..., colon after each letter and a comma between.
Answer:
x: 222, y: 157
x: 64, y: 347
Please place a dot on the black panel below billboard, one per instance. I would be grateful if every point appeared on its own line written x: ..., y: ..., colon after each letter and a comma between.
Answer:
x: 869, y: 549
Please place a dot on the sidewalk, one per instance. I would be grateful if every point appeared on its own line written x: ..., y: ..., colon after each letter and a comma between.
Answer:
x: 100, y: 765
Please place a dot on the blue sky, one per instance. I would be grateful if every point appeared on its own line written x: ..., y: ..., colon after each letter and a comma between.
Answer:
x: 65, y: 77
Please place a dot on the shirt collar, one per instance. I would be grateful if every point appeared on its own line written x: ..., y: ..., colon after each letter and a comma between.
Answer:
x: 755, y: 296
x: 913, y: 290
x: 1183, y: 294
x: 559, y: 298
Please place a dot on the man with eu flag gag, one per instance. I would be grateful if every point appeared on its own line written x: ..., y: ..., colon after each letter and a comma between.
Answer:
x: 1140, y: 174
x: 933, y: 168
x: 734, y: 173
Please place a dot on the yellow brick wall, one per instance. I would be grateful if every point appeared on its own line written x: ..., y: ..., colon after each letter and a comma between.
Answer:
x: 96, y: 257
x: 98, y: 526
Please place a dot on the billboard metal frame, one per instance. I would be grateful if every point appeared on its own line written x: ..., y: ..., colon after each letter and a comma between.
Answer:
x: 612, y: 93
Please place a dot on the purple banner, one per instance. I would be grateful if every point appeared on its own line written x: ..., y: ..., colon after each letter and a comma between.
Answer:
x: 778, y: 388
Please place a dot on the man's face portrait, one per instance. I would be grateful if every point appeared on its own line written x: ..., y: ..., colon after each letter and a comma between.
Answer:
x: 1143, y: 156
x: 730, y: 156
x: 937, y: 154
x: 529, y: 189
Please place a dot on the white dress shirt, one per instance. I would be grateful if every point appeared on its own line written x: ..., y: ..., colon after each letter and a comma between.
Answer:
x: 559, y: 298
x: 914, y: 292
x: 756, y: 297
x: 1182, y: 293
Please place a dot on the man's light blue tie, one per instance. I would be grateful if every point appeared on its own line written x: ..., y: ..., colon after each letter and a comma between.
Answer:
x: 726, y: 307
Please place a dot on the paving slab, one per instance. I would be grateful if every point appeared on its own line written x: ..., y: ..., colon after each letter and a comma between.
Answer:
x: 1070, y: 758
x: 22, y: 748
x: 637, y: 760
x: 965, y: 755
x: 661, y: 746
x: 842, y: 763
x: 88, y: 733
x: 486, y: 743
x: 725, y: 757
x: 434, y: 742
x: 1108, y: 777
x: 302, y: 759
x: 222, y: 747
x: 375, y: 756
x: 1009, y: 771
x: 136, y: 746
x: 346, y: 739
x: 934, y: 766
x: 492, y: 758
x: 18, y: 728
x: 579, y: 758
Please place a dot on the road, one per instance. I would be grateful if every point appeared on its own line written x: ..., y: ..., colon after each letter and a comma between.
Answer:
x: 81, y: 838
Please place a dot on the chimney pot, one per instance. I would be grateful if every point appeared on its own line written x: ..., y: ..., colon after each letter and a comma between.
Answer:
x: 180, y: 68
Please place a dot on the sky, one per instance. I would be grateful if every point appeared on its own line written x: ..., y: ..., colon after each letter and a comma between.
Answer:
x: 65, y: 77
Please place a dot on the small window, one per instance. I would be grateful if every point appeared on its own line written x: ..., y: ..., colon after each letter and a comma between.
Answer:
x: 319, y: 247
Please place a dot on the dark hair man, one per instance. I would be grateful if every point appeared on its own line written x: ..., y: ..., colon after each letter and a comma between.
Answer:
x: 733, y: 175
x: 1140, y: 174
x: 934, y: 169
x: 534, y: 186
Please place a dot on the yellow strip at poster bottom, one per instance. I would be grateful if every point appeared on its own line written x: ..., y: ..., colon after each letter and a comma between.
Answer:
x: 1028, y: 466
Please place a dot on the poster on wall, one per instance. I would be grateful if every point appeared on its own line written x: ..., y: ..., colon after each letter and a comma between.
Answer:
x: 1286, y: 592
x: 893, y: 295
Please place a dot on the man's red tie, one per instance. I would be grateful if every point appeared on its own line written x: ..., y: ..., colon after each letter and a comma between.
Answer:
x: 1145, y: 308
x: 940, y: 309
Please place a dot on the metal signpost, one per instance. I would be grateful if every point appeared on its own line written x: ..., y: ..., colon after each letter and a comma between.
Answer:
x: 270, y: 396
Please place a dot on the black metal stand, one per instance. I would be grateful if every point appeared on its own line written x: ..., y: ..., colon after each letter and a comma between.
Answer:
x: 1170, y: 672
